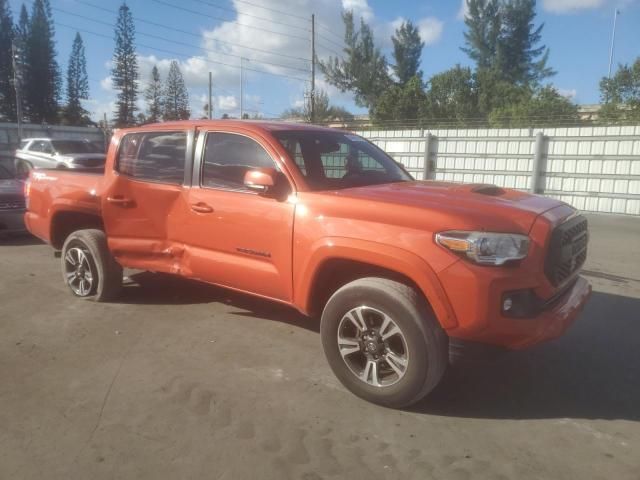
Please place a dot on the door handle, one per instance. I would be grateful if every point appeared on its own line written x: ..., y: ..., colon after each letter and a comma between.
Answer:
x: 201, y: 207
x: 120, y: 201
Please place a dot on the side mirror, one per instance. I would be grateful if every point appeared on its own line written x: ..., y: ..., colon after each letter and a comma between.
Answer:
x: 260, y: 180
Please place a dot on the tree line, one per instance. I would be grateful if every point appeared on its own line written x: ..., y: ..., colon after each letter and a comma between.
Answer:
x: 28, y: 56
x: 507, y: 86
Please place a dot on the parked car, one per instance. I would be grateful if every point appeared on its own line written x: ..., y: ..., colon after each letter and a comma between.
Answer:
x: 52, y: 153
x: 326, y: 222
x: 12, y: 202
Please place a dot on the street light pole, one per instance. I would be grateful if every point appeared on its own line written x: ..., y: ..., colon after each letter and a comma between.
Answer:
x: 17, y: 84
x: 613, y: 40
x: 210, y: 97
x: 242, y: 59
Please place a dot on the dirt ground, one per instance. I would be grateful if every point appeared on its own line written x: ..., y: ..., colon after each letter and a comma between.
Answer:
x: 186, y: 381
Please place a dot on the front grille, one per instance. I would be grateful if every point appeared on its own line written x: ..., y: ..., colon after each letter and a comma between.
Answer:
x: 567, y: 250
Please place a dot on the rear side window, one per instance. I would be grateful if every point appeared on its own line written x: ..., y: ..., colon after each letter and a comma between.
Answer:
x: 228, y: 156
x: 153, y: 156
x: 40, y: 146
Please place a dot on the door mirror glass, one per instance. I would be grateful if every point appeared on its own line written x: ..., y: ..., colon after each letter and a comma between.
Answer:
x: 260, y: 180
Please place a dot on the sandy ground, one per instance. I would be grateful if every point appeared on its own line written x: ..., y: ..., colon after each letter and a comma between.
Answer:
x: 186, y: 381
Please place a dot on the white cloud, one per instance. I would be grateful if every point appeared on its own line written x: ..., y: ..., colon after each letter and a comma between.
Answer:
x: 107, y: 84
x: 568, y: 6
x: 463, y: 11
x: 360, y: 8
x: 569, y: 93
x: 430, y: 29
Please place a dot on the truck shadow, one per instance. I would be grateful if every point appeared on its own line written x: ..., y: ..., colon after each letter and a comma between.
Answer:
x: 593, y: 372
x: 19, y: 240
x: 157, y: 288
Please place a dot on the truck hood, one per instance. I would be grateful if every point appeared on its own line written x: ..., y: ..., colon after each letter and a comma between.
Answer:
x: 479, y: 206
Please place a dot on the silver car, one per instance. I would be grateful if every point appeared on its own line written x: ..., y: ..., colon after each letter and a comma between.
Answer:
x: 51, y: 153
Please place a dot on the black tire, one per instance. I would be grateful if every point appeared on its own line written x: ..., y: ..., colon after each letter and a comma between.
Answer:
x: 425, y: 341
x: 105, y: 272
x: 23, y: 167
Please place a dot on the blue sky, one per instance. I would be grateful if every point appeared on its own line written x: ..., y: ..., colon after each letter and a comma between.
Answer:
x: 272, y: 36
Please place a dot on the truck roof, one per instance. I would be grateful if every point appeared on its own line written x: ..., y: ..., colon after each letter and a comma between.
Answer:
x: 258, y: 125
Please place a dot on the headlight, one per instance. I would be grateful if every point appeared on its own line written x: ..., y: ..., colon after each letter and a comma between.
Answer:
x: 485, y: 248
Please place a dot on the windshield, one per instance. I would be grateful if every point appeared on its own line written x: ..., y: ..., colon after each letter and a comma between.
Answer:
x: 5, y: 174
x: 74, y: 146
x: 336, y: 160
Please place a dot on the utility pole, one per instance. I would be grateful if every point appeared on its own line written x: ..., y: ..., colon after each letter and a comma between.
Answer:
x: 210, y: 97
x: 242, y: 59
x: 613, y: 40
x: 312, y: 94
x: 17, y: 84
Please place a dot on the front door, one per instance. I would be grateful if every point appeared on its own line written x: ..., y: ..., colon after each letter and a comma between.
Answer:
x: 236, y: 237
x: 142, y: 196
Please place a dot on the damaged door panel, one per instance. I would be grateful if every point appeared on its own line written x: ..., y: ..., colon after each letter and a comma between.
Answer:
x: 144, y: 197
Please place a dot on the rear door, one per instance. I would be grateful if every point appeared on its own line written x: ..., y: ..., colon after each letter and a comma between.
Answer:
x: 237, y: 237
x: 144, y: 195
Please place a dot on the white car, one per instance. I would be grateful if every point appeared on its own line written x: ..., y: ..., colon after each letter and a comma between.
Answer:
x: 53, y: 153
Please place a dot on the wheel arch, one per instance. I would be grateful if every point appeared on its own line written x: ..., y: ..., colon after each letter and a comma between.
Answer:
x: 65, y: 222
x: 338, y: 261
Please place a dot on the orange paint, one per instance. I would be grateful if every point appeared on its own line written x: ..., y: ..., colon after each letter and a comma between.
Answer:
x: 273, y: 246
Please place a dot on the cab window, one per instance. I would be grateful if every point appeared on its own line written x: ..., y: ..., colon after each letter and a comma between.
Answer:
x: 228, y: 156
x: 153, y: 156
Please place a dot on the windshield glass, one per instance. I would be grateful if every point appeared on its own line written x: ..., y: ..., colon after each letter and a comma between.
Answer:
x: 74, y: 146
x: 336, y: 160
x: 5, y: 174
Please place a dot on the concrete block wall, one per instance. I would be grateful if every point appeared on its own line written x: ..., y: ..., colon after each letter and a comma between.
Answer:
x: 595, y: 169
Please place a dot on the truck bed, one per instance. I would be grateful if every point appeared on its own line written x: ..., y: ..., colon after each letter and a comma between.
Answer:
x: 52, y: 191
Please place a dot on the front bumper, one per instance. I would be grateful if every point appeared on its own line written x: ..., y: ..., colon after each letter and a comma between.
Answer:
x: 12, y: 221
x: 477, y: 301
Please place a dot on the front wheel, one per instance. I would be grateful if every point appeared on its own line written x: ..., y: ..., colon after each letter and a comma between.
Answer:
x: 88, y: 268
x: 383, y: 342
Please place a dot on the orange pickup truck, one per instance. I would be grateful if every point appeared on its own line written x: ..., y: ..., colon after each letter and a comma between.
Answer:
x: 324, y: 221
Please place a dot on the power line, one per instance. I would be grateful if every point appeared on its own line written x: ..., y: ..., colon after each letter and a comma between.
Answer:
x: 250, y: 15
x: 176, y: 7
x: 182, y: 55
x: 186, y: 32
x: 253, y: 4
x: 177, y: 42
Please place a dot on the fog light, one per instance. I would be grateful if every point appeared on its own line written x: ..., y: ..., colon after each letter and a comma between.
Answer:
x: 507, y: 304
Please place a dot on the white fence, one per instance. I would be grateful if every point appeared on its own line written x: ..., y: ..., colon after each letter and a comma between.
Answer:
x: 595, y: 169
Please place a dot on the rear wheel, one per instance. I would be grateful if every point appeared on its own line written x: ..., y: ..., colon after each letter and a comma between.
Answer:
x: 23, y: 167
x: 88, y: 268
x: 383, y: 342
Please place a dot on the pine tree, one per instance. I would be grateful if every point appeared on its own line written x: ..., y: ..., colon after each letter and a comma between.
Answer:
x: 20, y: 37
x: 363, y: 68
x: 522, y: 61
x: 407, y: 49
x: 77, y: 84
x: 153, y: 96
x: 7, y: 91
x: 125, y: 69
x: 42, y: 75
x: 484, y: 23
x: 176, y: 98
